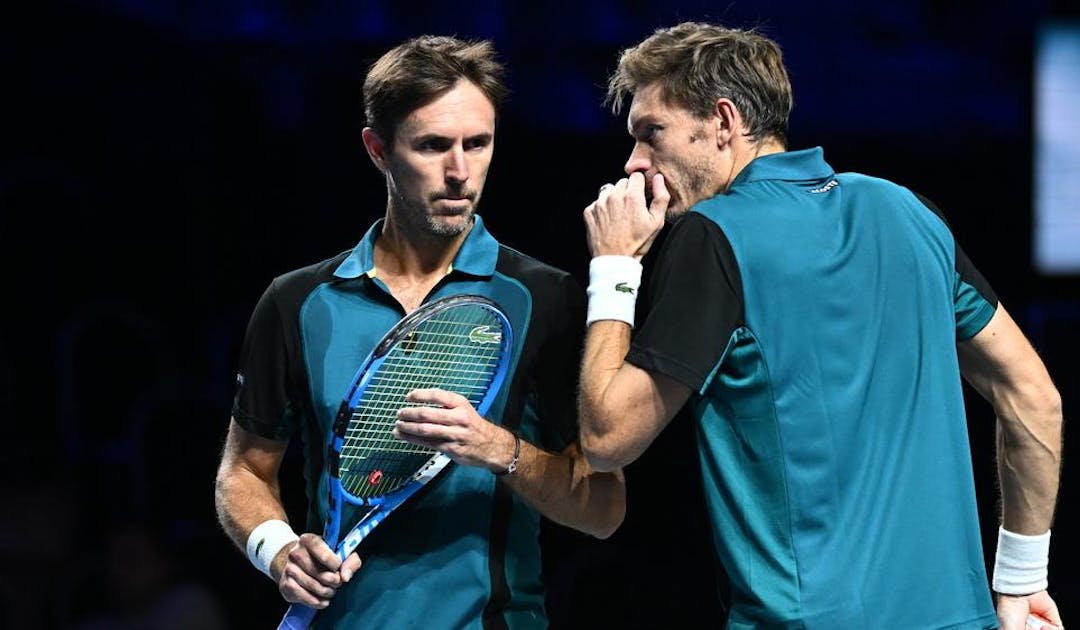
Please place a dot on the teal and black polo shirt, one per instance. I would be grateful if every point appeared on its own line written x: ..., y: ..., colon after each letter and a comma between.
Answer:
x: 464, y: 552
x: 815, y: 317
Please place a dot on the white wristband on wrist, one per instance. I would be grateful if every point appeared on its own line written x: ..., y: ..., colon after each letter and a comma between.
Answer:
x: 266, y: 541
x: 1020, y: 566
x: 613, y: 287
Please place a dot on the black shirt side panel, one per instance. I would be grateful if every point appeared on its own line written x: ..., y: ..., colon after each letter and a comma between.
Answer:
x: 548, y: 369
x: 693, y: 293
x: 546, y: 377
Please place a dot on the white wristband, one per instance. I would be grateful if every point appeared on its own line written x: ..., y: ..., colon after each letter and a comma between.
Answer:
x: 613, y: 287
x: 1021, y: 562
x: 266, y: 541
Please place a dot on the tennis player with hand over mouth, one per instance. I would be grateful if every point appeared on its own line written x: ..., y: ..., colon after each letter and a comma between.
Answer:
x: 814, y: 327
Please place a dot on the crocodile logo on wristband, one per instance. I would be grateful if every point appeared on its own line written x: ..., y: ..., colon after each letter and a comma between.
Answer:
x: 622, y: 287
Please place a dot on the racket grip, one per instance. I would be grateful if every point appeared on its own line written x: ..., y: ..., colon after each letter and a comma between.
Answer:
x: 298, y: 617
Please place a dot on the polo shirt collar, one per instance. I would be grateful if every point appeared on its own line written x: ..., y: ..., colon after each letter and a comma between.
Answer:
x: 804, y: 165
x: 477, y: 256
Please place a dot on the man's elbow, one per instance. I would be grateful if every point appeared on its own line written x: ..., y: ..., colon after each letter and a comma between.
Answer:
x: 601, y: 452
x: 610, y: 525
x: 1044, y: 401
x: 1053, y: 403
x: 1052, y: 413
x: 612, y: 507
x: 1033, y: 414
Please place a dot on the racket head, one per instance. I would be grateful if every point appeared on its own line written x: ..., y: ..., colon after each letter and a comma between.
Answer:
x: 460, y: 344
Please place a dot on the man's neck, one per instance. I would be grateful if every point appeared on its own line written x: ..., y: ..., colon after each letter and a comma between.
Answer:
x: 746, y: 151
x: 408, y: 253
x: 753, y: 150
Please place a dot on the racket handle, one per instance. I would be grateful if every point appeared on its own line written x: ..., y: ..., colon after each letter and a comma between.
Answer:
x: 298, y: 617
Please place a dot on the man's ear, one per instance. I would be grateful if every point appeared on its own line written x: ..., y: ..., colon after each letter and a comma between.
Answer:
x: 376, y: 148
x: 727, y: 120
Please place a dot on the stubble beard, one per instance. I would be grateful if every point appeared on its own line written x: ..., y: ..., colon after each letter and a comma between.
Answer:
x: 449, y: 230
x: 420, y: 221
x: 693, y: 185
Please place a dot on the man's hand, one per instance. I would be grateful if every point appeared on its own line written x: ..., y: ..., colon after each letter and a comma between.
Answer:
x: 1013, y: 611
x: 310, y: 573
x: 453, y: 427
x: 620, y: 223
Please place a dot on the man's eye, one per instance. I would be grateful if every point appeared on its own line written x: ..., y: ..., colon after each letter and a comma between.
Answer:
x: 650, y: 132
x: 434, y: 145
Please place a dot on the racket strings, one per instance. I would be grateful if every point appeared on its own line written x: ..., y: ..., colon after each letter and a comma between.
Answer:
x: 458, y: 352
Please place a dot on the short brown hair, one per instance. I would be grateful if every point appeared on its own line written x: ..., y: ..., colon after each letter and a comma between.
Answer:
x: 697, y: 63
x: 419, y: 70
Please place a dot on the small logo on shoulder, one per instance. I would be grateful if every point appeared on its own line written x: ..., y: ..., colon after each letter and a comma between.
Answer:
x: 484, y: 334
x: 622, y: 287
x: 826, y: 188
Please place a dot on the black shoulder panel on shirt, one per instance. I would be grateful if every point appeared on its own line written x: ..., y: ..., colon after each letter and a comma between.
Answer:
x: 964, y: 267
x: 692, y: 299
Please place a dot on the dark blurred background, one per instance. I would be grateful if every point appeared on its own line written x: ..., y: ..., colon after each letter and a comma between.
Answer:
x: 161, y: 162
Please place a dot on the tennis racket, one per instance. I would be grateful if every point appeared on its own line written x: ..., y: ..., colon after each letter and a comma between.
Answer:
x: 459, y: 343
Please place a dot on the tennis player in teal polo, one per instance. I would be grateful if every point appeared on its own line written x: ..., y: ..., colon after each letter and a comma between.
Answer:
x: 814, y: 327
x: 464, y: 552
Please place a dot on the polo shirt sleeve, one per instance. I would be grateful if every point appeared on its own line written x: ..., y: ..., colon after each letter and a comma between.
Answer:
x: 262, y: 404
x: 974, y: 301
x: 692, y: 303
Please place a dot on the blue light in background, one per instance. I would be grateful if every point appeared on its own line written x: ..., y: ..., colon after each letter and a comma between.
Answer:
x: 1057, y: 149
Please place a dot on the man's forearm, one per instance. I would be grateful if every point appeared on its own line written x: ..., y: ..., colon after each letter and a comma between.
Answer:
x: 243, y: 501
x: 247, y: 496
x: 606, y: 345
x: 1029, y: 462
x: 1003, y: 366
x: 564, y: 489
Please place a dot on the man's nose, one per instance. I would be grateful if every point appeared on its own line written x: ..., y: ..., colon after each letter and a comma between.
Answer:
x: 457, y: 167
x: 638, y: 161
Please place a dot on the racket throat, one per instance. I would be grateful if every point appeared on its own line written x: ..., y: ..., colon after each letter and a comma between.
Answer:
x: 352, y: 540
